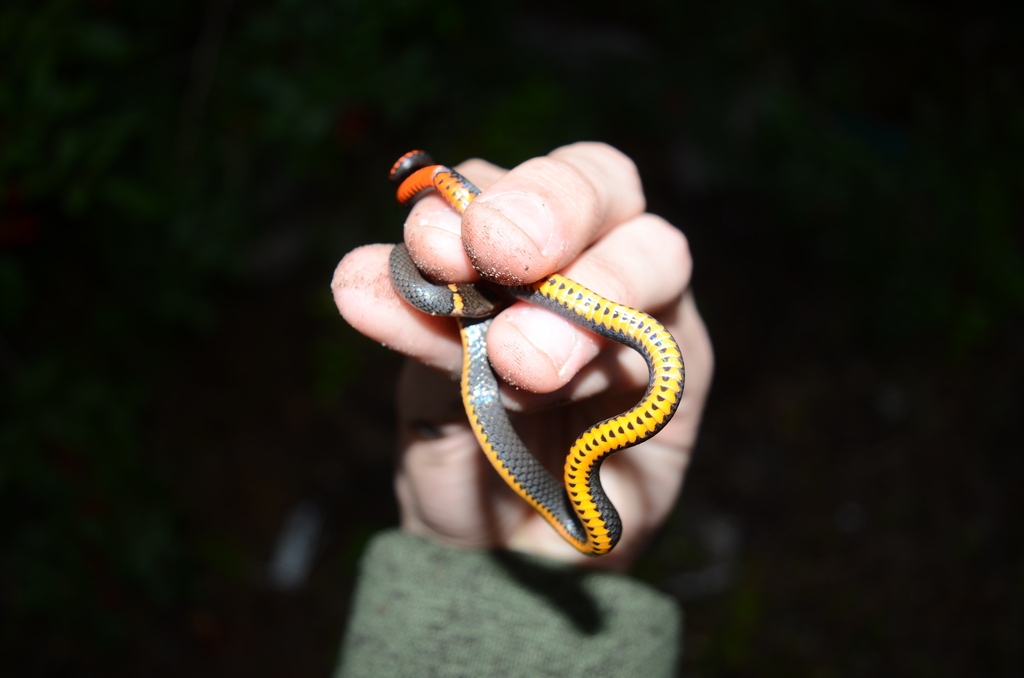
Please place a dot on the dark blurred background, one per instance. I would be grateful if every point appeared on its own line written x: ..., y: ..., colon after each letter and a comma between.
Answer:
x: 195, y: 447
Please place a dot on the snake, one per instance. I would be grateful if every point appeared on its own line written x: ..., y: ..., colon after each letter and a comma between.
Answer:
x: 575, y: 506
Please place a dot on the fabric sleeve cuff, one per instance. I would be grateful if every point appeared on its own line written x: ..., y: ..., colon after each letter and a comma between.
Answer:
x: 425, y: 609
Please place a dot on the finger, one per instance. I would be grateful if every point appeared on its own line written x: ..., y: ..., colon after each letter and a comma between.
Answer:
x: 644, y: 263
x: 539, y: 216
x: 433, y: 230
x: 368, y: 301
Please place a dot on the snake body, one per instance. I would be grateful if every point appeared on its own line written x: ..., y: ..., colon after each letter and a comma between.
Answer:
x: 577, y: 506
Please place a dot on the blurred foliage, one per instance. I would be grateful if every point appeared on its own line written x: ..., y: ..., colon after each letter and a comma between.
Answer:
x: 148, y: 150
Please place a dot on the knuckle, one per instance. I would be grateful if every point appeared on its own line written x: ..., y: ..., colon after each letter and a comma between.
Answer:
x: 602, y: 158
x: 667, y: 237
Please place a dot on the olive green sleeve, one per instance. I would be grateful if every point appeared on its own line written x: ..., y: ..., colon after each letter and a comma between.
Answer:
x: 422, y: 609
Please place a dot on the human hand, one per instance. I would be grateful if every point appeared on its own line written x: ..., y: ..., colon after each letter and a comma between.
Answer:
x: 578, y: 211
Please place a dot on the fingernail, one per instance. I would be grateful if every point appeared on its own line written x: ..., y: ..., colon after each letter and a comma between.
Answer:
x: 551, y: 335
x: 529, y: 213
x: 444, y: 219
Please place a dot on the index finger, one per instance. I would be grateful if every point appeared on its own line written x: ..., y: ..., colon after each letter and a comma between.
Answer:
x: 539, y: 216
